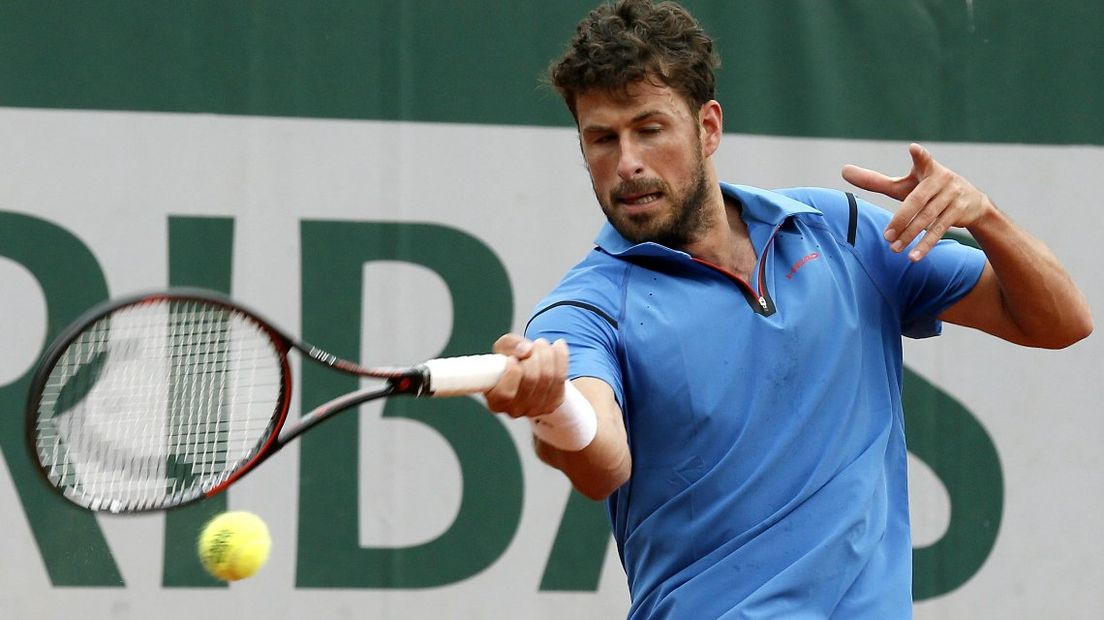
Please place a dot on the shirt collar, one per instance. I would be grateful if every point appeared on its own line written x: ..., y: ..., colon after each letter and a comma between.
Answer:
x: 760, y: 207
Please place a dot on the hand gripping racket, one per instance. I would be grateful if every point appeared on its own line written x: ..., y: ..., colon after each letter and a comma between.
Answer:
x: 163, y: 399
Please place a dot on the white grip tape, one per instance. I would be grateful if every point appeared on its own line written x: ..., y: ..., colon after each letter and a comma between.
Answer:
x: 572, y: 426
x: 467, y: 374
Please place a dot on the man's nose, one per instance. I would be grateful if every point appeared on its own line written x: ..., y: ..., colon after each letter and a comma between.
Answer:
x: 629, y: 164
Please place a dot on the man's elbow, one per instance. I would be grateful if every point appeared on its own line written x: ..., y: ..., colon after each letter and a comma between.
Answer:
x: 1056, y: 330
x: 1076, y: 332
x: 596, y: 472
x: 1073, y: 330
x: 599, y: 488
x: 598, y: 483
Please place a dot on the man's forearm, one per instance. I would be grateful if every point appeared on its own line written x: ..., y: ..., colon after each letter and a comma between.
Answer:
x: 1036, y: 292
x: 603, y: 466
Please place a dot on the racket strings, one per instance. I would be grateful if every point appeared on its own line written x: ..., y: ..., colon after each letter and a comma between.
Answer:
x: 156, y: 403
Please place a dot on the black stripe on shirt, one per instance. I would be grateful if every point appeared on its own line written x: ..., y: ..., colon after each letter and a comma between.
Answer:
x: 578, y: 304
x: 852, y: 218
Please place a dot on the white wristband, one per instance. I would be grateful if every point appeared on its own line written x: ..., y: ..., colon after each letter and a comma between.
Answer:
x: 572, y: 426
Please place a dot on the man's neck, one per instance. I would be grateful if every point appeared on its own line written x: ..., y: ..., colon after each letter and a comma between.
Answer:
x: 726, y: 242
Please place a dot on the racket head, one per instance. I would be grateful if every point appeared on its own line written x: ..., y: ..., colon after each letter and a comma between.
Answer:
x: 157, y: 400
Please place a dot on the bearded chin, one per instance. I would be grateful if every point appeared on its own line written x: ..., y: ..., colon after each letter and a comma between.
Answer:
x: 690, y: 218
x: 679, y: 227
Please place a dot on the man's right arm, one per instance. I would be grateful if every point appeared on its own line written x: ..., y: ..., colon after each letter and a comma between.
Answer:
x: 533, y: 385
x: 602, y: 467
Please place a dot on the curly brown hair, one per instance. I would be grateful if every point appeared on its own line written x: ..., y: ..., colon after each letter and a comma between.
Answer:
x: 621, y: 44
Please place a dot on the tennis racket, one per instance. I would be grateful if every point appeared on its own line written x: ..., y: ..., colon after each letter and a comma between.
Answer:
x: 163, y: 399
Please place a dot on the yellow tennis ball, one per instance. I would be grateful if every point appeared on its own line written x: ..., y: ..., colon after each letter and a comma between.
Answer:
x: 234, y: 545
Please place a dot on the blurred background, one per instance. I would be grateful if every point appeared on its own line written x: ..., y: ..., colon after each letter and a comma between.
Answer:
x: 391, y: 181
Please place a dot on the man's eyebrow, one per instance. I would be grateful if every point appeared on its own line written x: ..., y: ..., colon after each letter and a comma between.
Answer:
x: 641, y: 117
x: 646, y: 114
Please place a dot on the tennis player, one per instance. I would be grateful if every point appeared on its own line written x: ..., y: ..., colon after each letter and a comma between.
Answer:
x: 742, y: 347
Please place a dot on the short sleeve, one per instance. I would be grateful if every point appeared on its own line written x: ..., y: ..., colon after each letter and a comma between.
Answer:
x: 922, y: 290
x: 591, y: 336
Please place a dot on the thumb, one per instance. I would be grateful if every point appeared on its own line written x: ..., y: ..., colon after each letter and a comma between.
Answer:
x: 512, y: 344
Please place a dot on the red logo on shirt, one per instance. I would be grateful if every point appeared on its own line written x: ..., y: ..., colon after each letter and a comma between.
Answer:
x: 801, y: 263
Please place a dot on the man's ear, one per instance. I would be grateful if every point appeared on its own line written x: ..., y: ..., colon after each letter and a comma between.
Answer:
x: 710, y: 126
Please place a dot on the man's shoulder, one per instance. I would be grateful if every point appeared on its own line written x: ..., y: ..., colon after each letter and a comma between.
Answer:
x: 831, y: 210
x: 589, y: 293
x: 597, y: 265
x: 831, y: 203
x: 596, y: 279
x: 808, y: 203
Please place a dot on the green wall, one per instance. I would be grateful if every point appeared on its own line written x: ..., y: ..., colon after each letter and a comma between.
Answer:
x: 937, y: 70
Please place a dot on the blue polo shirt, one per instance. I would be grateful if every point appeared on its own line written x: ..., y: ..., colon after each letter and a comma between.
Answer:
x: 764, y: 417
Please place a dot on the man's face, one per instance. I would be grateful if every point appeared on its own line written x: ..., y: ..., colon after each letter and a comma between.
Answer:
x: 646, y: 164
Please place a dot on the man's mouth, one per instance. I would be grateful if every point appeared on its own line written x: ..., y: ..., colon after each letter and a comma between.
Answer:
x: 636, y: 200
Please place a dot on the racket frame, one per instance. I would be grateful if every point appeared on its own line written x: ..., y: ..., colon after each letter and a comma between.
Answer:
x: 412, y: 381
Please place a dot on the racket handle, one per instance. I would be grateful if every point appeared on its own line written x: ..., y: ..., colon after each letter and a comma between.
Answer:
x: 571, y: 427
x: 466, y: 374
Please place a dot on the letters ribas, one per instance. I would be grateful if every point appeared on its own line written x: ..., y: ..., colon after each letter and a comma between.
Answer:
x: 328, y: 553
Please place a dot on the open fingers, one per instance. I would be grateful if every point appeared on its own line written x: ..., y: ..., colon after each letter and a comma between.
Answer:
x: 864, y: 178
x: 898, y: 188
x: 923, y: 162
x: 938, y: 227
x: 913, y: 215
x: 933, y: 215
x: 933, y: 199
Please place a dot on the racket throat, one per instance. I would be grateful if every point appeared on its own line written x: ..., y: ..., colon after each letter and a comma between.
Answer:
x: 412, y: 382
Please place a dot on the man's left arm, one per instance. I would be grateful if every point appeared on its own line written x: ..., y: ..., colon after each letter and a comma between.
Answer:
x: 1024, y: 294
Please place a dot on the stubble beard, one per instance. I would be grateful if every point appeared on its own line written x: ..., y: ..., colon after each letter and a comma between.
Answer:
x: 679, y: 226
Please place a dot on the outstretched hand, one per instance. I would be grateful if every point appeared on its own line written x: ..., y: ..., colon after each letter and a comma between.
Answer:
x: 933, y: 198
